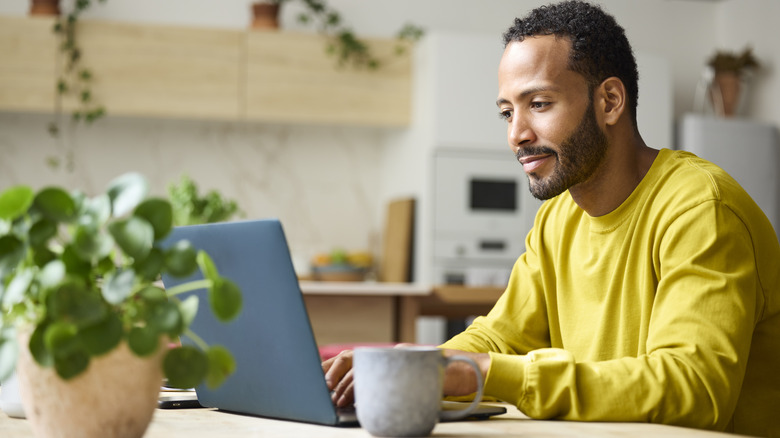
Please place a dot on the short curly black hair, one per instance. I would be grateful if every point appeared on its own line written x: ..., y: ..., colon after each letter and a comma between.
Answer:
x: 599, y: 47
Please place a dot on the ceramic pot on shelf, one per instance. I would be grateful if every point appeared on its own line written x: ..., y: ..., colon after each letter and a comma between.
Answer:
x: 45, y: 7
x: 265, y: 15
x: 725, y: 93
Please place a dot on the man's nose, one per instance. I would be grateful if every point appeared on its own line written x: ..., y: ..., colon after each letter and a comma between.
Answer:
x: 519, y: 133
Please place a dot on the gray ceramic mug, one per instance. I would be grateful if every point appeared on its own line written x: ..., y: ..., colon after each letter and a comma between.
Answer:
x: 398, y: 391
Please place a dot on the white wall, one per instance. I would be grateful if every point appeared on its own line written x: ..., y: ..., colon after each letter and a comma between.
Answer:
x: 319, y: 181
x: 326, y: 183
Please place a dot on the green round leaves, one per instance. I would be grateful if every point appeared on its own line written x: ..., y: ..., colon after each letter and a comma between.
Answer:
x: 150, y: 267
x: 126, y: 192
x: 221, y: 365
x: 70, y: 357
x: 185, y: 367
x: 102, y: 337
x: 42, y: 231
x: 180, y: 259
x: 134, y: 235
x: 11, y: 253
x: 159, y: 213
x: 166, y: 318
x: 55, y: 204
x: 118, y: 286
x: 91, y: 244
x: 143, y: 340
x: 92, y: 212
x: 15, y: 201
x: 224, y: 295
x: 74, y: 302
x: 225, y: 299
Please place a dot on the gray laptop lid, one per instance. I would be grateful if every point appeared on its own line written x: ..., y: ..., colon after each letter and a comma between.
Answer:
x: 278, y: 372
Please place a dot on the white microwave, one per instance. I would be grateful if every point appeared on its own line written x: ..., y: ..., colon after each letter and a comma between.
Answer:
x: 482, y: 213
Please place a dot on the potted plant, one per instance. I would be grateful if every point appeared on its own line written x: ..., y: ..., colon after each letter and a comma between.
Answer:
x: 45, y: 7
x: 341, y: 42
x: 190, y: 208
x: 729, y: 71
x: 80, y: 304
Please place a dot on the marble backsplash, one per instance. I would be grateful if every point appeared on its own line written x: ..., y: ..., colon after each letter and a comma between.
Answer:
x: 321, y: 182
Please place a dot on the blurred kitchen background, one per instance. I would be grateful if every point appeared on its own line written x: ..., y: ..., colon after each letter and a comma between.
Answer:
x: 330, y: 176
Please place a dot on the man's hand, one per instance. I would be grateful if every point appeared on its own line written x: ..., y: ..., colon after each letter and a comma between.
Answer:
x: 459, y: 378
x: 338, y: 377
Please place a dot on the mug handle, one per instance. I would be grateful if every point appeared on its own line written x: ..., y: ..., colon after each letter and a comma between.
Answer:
x: 463, y: 413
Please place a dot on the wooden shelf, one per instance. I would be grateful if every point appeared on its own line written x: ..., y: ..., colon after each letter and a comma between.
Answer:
x: 180, y: 72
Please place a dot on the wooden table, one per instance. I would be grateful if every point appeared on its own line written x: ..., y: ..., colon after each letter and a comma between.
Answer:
x: 355, y: 312
x: 201, y: 423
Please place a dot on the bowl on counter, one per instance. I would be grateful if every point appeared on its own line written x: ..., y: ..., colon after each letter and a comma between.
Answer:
x: 338, y: 272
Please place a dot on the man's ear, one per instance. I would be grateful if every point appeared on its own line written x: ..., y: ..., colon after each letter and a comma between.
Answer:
x: 613, y: 99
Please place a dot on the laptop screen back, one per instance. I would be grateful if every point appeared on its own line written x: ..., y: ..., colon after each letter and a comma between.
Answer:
x: 278, y: 372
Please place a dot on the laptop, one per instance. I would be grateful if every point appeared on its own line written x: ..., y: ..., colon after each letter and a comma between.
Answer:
x: 278, y: 367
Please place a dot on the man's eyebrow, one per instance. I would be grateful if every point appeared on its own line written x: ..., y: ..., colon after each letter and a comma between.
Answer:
x: 501, y: 101
x: 527, y: 92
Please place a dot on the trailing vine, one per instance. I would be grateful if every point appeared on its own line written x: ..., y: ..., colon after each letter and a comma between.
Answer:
x: 74, y: 79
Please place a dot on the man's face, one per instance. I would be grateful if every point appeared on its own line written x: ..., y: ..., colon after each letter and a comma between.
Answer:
x: 552, y: 126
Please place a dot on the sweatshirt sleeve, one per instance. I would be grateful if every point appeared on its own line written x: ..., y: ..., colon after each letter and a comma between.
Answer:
x: 698, y: 338
x: 517, y: 324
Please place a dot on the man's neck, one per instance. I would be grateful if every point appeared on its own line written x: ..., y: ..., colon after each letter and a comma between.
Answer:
x: 617, y: 177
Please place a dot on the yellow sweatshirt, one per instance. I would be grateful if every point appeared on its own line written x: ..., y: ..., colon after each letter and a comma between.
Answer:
x: 665, y: 310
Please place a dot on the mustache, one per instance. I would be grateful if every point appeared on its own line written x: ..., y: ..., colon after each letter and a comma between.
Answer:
x: 534, y: 150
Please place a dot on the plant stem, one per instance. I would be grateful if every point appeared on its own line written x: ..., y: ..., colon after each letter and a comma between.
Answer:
x: 186, y: 287
x: 197, y: 339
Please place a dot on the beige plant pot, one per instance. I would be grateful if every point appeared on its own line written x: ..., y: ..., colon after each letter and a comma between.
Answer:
x: 115, y: 397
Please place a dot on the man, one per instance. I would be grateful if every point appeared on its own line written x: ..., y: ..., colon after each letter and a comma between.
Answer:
x: 650, y: 285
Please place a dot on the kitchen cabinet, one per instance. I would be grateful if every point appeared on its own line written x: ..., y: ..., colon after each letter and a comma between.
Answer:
x: 290, y: 78
x: 161, y: 71
x: 197, y: 73
x: 28, y: 67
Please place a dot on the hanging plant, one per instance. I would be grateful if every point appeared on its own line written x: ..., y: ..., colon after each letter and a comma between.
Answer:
x: 341, y: 41
x: 74, y: 80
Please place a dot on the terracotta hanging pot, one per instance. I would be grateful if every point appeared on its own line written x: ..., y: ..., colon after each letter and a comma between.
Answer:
x: 44, y: 7
x: 265, y: 15
x: 115, y: 397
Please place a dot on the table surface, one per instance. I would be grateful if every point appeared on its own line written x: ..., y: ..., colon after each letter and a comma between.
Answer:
x: 196, y: 423
x: 371, y: 288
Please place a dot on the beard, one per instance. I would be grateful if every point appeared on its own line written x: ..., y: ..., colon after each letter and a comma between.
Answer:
x: 579, y: 157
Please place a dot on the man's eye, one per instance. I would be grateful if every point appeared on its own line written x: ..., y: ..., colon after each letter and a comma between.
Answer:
x: 539, y: 105
x: 505, y: 115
